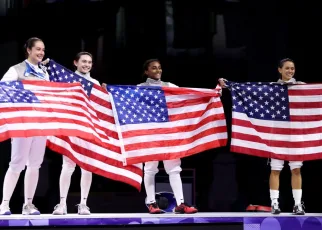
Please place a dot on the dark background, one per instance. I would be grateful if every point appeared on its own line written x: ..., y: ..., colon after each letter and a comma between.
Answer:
x: 236, y: 39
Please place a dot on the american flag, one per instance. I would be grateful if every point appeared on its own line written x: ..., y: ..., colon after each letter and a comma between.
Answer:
x: 40, y: 108
x: 277, y: 120
x: 104, y: 159
x: 161, y: 123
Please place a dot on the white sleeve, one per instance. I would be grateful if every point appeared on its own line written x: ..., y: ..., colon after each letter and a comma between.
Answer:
x: 10, y: 75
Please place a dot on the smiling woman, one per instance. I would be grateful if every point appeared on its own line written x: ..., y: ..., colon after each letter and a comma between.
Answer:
x: 34, y: 50
x: 25, y: 151
x: 286, y: 68
x: 83, y: 63
x: 152, y: 71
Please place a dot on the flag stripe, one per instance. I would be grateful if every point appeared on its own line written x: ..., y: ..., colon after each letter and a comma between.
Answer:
x: 188, y: 102
x: 185, y: 126
x: 261, y: 127
x: 166, y: 149
x: 298, y: 143
x: 172, y: 140
x: 306, y: 93
x: 305, y: 105
x: 269, y: 154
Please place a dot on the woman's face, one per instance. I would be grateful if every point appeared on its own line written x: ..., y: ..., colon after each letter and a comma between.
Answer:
x: 36, y: 53
x: 287, y: 71
x: 154, y: 70
x: 84, y: 64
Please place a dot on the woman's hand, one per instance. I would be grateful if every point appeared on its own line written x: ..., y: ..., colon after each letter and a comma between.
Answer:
x: 104, y: 86
x: 45, y: 62
x: 222, y: 82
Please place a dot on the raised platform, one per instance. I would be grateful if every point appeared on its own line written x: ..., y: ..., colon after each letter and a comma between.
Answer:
x: 231, y: 221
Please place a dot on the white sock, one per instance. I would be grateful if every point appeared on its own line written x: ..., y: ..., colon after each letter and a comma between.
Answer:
x: 297, y: 195
x: 31, y: 181
x: 86, y: 181
x: 176, y: 185
x: 149, y: 185
x: 274, y: 196
x: 9, y: 184
x: 64, y: 183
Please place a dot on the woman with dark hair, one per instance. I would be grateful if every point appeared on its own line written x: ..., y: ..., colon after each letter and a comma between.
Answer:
x: 152, y: 71
x: 25, y: 151
x: 286, y: 69
x: 83, y: 63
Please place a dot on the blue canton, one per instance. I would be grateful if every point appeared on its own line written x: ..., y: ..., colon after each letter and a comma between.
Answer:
x: 265, y: 101
x: 59, y: 73
x: 139, y: 104
x: 14, y: 92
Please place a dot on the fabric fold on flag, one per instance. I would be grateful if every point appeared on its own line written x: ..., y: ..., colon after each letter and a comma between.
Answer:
x: 105, y: 158
x: 277, y: 120
x: 40, y: 108
x: 162, y: 123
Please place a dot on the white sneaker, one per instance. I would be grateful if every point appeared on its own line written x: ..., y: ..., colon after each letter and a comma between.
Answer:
x: 276, y: 209
x: 60, y: 209
x: 4, y: 209
x: 83, y: 209
x: 29, y: 209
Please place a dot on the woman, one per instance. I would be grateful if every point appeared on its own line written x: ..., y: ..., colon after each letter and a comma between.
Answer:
x: 152, y: 71
x: 25, y: 151
x: 83, y: 63
x: 286, y: 70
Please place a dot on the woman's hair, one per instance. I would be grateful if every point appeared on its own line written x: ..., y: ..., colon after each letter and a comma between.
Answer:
x: 77, y: 57
x: 281, y: 63
x: 146, y: 65
x: 30, y: 43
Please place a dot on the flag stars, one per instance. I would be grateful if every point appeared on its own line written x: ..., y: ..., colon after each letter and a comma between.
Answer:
x: 261, y: 101
x: 146, y: 104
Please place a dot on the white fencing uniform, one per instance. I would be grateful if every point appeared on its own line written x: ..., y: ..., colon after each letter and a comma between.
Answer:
x: 172, y: 167
x: 65, y: 177
x: 278, y: 165
x: 24, y: 151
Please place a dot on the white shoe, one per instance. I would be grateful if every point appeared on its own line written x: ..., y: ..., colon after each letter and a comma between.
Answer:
x: 60, y: 209
x: 276, y: 209
x: 83, y: 209
x: 4, y: 209
x: 29, y: 209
